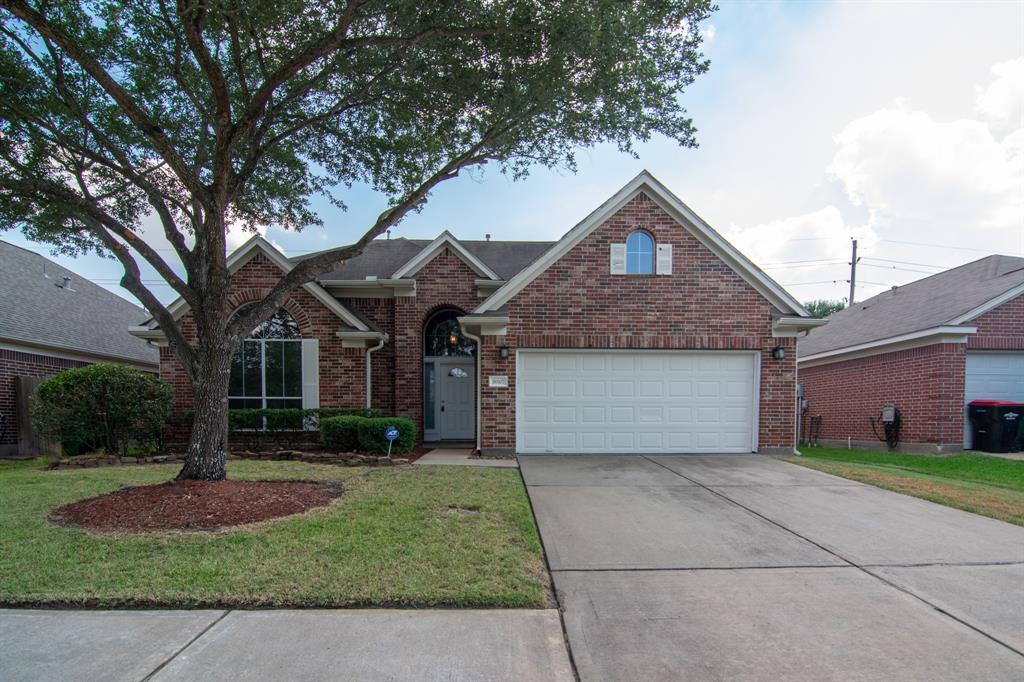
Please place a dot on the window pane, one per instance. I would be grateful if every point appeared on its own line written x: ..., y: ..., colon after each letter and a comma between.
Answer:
x: 236, y: 382
x: 275, y: 368
x: 640, y: 254
x: 428, y: 395
x: 252, y: 370
x: 292, y: 368
x: 284, y: 404
x: 245, y: 403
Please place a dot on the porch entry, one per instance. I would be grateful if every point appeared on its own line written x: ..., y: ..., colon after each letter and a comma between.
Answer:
x: 449, y: 379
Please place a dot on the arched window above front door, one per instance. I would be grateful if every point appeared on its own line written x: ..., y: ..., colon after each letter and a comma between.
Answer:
x: 442, y: 337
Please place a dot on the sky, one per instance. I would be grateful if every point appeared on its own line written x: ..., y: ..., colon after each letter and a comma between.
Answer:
x: 899, y: 124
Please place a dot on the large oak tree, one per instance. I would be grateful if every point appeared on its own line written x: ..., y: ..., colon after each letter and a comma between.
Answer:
x: 227, y: 112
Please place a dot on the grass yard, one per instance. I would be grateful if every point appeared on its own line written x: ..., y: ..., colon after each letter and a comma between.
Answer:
x: 989, y: 486
x: 398, y: 537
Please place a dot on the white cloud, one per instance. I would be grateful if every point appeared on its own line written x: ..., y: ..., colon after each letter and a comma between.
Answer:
x: 708, y: 33
x: 1003, y: 99
x: 905, y: 165
x: 818, y: 235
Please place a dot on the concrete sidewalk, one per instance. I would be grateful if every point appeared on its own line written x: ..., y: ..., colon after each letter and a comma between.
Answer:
x: 370, y: 645
x: 464, y: 457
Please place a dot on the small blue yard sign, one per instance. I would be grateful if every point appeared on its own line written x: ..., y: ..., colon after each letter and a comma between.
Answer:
x: 391, y: 433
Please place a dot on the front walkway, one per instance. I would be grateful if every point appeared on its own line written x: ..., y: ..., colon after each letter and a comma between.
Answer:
x: 463, y: 457
x: 742, y: 567
x: 370, y: 645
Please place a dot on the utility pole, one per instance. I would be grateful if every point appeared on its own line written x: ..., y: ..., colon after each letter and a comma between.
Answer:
x: 853, y: 272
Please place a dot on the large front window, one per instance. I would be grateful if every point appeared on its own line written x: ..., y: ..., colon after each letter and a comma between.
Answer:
x: 266, y: 372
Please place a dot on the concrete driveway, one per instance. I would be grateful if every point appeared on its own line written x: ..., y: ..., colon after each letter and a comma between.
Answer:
x: 743, y: 567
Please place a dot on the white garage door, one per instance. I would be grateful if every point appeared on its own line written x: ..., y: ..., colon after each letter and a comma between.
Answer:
x: 635, y: 401
x: 992, y: 376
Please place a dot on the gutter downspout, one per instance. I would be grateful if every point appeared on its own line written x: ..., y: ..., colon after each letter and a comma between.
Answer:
x: 369, y: 368
x: 479, y: 378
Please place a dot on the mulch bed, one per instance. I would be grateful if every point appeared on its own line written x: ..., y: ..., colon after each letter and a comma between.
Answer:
x: 195, y: 505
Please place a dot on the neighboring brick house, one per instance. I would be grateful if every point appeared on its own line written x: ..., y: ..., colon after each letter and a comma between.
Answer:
x: 928, y: 348
x: 640, y: 330
x: 52, y: 320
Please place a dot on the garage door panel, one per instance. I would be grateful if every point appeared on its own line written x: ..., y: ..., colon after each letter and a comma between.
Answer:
x: 680, y: 415
x: 680, y: 389
x: 630, y: 401
x: 992, y: 376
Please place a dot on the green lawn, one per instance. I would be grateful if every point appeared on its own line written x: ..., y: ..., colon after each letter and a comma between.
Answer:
x: 990, y: 486
x: 389, y: 541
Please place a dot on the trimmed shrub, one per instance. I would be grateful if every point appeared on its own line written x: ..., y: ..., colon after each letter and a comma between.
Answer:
x: 341, y: 433
x: 371, y: 434
x: 113, y: 407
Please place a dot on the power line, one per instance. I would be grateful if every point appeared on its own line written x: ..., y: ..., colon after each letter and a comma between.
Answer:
x: 936, y: 246
x: 893, y: 267
x: 903, y: 262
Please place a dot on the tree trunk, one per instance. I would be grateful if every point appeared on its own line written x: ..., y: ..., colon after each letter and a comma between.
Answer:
x: 206, y: 458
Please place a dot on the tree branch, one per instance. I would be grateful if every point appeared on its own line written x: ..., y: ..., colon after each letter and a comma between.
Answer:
x: 138, y: 116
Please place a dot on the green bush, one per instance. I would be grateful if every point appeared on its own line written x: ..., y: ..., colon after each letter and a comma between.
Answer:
x: 341, y: 433
x: 371, y: 434
x: 103, y: 406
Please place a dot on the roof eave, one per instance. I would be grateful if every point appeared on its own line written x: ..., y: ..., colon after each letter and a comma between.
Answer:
x: 924, y: 337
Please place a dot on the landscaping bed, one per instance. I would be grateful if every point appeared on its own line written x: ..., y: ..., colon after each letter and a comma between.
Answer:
x: 195, y: 505
x: 989, y: 486
x: 398, y: 537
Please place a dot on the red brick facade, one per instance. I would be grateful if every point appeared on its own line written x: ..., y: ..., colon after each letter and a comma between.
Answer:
x: 575, y: 303
x: 925, y: 383
x: 702, y: 305
x: 15, y: 364
x: 1001, y: 328
x: 342, y: 370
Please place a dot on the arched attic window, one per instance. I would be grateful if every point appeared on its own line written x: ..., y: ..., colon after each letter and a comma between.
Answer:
x: 266, y: 371
x: 640, y: 253
x: 442, y: 336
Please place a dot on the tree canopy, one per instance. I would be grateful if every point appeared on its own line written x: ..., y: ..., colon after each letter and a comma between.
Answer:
x: 213, y: 113
x: 823, y: 307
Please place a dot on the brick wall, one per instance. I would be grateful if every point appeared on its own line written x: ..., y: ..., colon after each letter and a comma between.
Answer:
x: 342, y: 370
x: 1001, y: 328
x: 380, y: 311
x: 926, y: 384
x: 703, y: 305
x: 18, y: 364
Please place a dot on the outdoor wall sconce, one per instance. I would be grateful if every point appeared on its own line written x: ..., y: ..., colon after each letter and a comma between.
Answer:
x: 779, y: 353
x: 503, y: 352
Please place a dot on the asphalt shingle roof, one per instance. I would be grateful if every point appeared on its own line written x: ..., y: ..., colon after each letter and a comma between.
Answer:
x: 926, y: 303
x: 382, y: 257
x: 85, y: 317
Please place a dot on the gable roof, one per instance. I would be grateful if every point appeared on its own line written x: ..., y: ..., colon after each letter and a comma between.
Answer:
x: 85, y: 318
x: 444, y: 240
x: 950, y: 298
x: 258, y: 245
x: 383, y: 257
x: 671, y: 204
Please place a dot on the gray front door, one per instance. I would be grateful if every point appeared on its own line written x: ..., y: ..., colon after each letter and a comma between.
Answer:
x: 456, y: 393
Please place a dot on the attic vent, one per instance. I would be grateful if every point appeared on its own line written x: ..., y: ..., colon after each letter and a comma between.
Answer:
x: 66, y: 284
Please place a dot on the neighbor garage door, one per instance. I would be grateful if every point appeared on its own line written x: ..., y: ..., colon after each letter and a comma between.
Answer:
x: 993, y: 376
x: 635, y: 401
